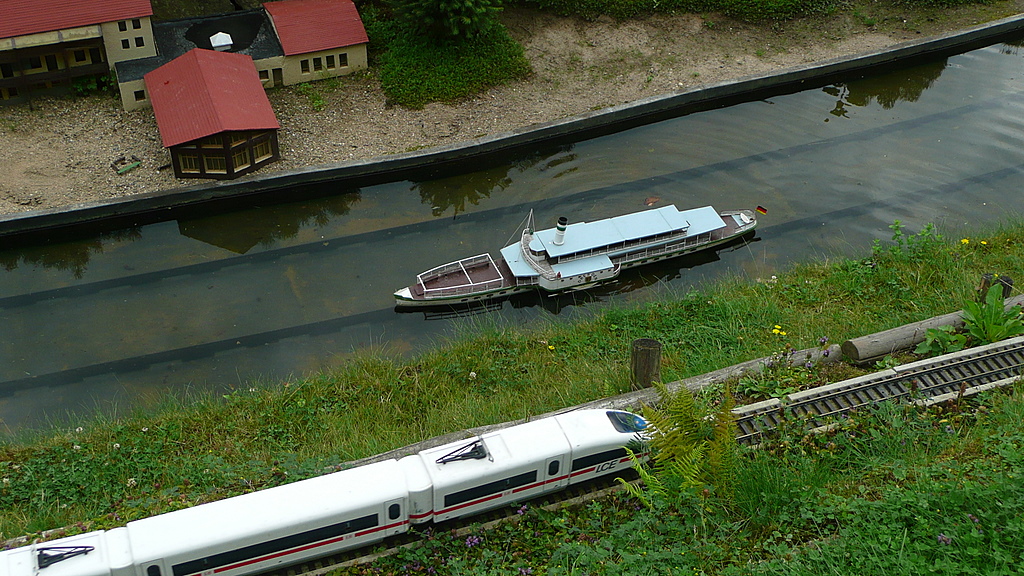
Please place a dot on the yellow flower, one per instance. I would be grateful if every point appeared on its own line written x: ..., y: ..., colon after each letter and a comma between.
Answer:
x: 984, y: 243
x: 965, y: 241
x: 550, y: 347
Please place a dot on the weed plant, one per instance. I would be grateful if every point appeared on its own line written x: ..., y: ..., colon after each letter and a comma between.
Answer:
x: 101, y: 473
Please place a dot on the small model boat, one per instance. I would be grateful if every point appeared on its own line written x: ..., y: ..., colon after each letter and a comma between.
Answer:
x: 576, y: 256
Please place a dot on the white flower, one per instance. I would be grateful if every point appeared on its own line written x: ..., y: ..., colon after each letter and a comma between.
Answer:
x: 116, y: 445
x: 472, y: 375
x: 132, y: 483
x: 79, y: 429
x: 77, y: 447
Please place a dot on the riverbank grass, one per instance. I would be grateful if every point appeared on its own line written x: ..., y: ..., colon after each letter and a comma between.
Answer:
x: 103, y: 473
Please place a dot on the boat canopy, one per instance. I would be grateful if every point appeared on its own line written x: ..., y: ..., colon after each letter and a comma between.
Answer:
x: 583, y: 266
x: 586, y: 236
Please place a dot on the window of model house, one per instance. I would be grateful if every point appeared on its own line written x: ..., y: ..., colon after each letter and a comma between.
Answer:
x: 136, y: 23
x: 264, y: 75
x: 122, y: 26
x: 329, y: 61
x: 318, y: 63
x: 216, y: 164
x: 35, y: 63
x: 305, y: 66
x: 125, y: 44
x: 140, y: 41
x: 51, y: 62
x: 342, y: 60
x: 6, y: 70
x: 140, y: 95
x: 240, y: 158
x: 79, y: 55
x: 189, y: 163
x: 262, y: 150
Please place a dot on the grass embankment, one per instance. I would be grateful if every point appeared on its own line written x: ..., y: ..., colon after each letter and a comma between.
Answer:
x: 893, y: 491
x: 100, y: 474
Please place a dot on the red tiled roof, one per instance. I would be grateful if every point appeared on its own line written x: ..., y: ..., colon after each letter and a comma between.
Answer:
x: 312, y: 25
x: 204, y: 92
x: 22, y: 17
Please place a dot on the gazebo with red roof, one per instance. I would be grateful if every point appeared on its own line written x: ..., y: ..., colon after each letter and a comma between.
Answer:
x: 213, y: 114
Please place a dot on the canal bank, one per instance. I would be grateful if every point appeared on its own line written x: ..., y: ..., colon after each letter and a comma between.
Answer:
x: 429, y: 163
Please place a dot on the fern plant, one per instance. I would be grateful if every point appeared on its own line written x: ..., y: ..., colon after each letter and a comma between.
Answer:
x: 689, y: 448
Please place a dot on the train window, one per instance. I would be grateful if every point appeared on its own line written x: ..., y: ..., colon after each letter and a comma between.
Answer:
x: 394, y: 511
x: 153, y: 570
x: 626, y: 422
x: 553, y: 468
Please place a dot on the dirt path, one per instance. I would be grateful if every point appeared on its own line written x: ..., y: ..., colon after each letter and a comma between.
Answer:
x: 60, y: 152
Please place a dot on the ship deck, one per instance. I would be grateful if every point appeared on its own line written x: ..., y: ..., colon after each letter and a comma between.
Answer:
x: 472, y: 275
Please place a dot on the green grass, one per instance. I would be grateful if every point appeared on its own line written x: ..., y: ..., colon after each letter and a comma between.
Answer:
x: 196, y: 449
x: 893, y: 491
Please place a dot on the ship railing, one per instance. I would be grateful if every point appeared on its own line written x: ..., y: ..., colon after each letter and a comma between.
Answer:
x: 464, y: 288
x: 626, y: 245
x: 540, y: 265
x: 672, y: 247
x: 459, y: 265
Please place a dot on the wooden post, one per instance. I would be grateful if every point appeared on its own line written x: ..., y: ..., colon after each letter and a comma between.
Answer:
x: 645, y: 363
x: 990, y: 279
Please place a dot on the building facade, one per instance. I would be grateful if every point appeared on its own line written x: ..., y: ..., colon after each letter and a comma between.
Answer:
x: 48, y: 45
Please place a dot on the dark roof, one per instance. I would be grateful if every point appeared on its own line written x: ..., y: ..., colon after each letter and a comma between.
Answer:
x: 312, y: 25
x: 22, y: 17
x: 204, y: 93
x: 250, y: 30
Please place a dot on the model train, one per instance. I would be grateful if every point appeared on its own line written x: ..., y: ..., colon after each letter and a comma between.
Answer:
x: 344, y: 510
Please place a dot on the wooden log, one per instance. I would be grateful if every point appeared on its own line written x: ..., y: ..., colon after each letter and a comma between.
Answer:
x: 905, y: 337
x: 645, y: 363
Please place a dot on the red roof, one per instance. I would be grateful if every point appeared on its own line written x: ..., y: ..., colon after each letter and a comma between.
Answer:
x: 312, y: 25
x: 204, y: 92
x: 23, y: 17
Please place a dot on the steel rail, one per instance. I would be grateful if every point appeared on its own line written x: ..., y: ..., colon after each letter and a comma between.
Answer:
x: 924, y: 382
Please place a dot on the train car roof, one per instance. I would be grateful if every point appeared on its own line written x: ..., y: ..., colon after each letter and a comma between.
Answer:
x: 22, y: 561
x: 509, y: 448
x: 292, y: 507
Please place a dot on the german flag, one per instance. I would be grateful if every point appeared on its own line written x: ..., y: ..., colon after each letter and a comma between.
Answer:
x: 761, y: 210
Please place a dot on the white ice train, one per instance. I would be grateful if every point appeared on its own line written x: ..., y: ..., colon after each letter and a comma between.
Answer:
x: 345, y: 510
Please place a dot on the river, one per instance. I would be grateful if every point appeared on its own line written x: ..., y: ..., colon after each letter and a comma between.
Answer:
x: 116, y: 321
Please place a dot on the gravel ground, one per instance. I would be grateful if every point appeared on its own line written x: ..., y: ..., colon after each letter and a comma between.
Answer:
x: 59, y: 152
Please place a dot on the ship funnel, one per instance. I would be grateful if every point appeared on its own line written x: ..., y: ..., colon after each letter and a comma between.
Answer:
x: 560, y: 230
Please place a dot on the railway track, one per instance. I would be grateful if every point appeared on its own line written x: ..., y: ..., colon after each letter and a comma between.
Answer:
x: 924, y: 382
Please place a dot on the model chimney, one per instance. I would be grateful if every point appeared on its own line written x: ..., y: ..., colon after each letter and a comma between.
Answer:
x: 560, y: 230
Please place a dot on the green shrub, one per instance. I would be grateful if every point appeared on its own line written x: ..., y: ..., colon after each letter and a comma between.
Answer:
x: 414, y: 71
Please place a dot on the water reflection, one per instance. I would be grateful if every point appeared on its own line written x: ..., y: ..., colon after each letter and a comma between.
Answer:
x: 885, y: 89
x: 456, y: 191
x: 240, y: 232
x: 70, y: 257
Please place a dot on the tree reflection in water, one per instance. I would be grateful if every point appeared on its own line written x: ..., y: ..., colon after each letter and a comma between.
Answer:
x: 70, y: 257
x: 886, y: 89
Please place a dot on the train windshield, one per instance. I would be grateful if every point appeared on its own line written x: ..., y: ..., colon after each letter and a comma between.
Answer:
x: 626, y: 422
